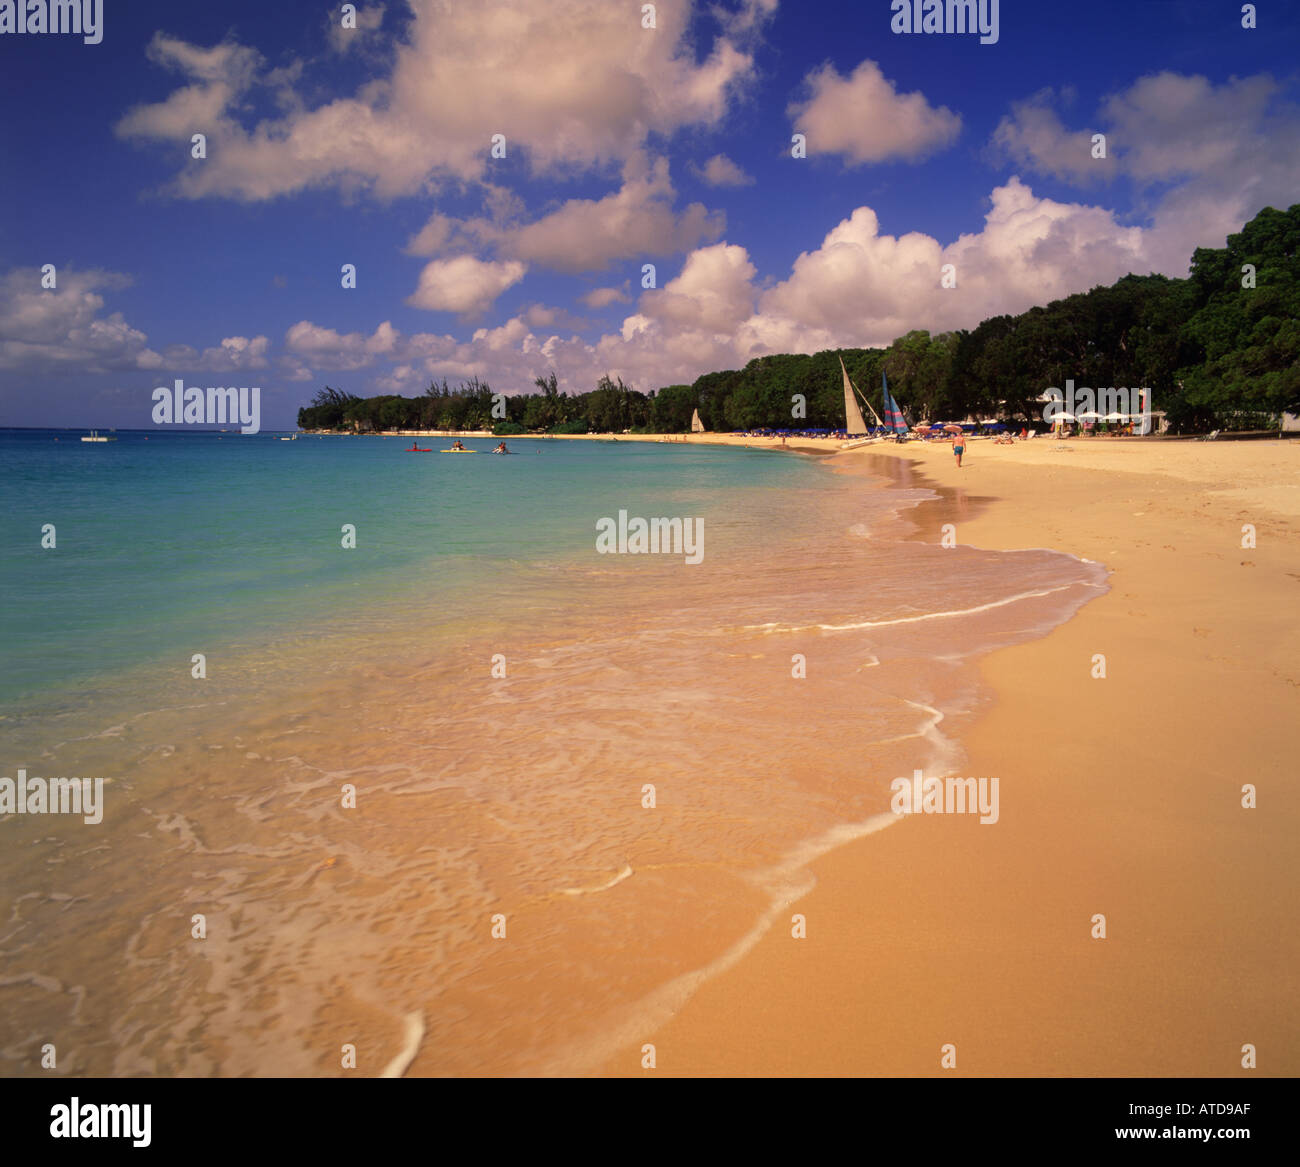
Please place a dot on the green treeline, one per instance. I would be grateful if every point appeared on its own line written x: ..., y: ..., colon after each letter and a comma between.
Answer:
x: 1219, y: 349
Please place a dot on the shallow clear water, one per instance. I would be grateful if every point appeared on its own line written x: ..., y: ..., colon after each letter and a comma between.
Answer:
x: 498, y: 695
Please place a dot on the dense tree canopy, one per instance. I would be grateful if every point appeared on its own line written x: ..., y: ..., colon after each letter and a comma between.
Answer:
x: 1220, y: 348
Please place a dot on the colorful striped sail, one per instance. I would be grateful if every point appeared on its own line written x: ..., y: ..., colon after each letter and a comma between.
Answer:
x: 893, y: 415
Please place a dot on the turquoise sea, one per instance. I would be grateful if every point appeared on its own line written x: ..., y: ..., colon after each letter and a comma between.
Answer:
x: 169, y: 543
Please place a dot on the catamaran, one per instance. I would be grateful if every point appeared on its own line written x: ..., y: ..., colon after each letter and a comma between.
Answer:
x: 893, y: 412
x: 854, y: 422
x: 96, y: 436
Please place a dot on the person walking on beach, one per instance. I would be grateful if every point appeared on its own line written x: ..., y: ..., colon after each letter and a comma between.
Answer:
x: 959, y: 447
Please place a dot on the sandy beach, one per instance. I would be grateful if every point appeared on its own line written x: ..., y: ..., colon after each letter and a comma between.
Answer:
x: 1121, y: 797
x: 521, y: 797
x: 676, y: 742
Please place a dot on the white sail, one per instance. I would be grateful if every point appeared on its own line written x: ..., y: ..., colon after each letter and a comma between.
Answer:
x: 697, y: 426
x: 854, y: 422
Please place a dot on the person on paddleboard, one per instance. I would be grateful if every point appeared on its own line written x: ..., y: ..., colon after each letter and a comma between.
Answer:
x: 457, y: 445
x: 501, y: 449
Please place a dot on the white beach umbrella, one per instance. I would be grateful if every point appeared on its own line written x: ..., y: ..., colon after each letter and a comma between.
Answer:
x: 1065, y: 417
x: 1089, y: 415
x: 1115, y: 416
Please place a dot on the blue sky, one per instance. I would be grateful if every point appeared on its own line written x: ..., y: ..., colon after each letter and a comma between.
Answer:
x: 624, y: 146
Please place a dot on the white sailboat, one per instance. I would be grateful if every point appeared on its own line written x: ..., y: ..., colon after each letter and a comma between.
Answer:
x: 854, y: 422
x: 697, y: 426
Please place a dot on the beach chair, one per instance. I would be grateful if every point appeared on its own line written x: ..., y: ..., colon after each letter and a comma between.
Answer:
x: 1211, y: 435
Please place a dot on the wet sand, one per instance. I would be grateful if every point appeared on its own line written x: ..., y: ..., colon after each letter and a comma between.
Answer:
x: 1120, y: 796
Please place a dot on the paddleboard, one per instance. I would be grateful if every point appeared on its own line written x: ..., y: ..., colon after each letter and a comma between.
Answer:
x: 457, y: 451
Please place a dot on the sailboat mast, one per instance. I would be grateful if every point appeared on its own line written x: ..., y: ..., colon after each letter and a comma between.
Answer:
x: 849, y: 389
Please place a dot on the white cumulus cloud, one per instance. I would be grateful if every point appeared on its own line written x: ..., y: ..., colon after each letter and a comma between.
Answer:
x: 582, y: 235
x: 464, y: 73
x: 464, y: 284
x: 722, y: 171
x: 865, y: 119
x: 1207, y: 157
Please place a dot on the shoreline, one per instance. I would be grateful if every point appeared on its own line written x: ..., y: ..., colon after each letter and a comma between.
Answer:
x: 1115, y: 798
x: 1121, y: 797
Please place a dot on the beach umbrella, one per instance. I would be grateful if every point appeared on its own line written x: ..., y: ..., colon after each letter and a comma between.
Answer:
x: 1065, y: 417
x: 1117, y: 417
x: 950, y: 428
x: 1089, y: 415
x: 921, y: 425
